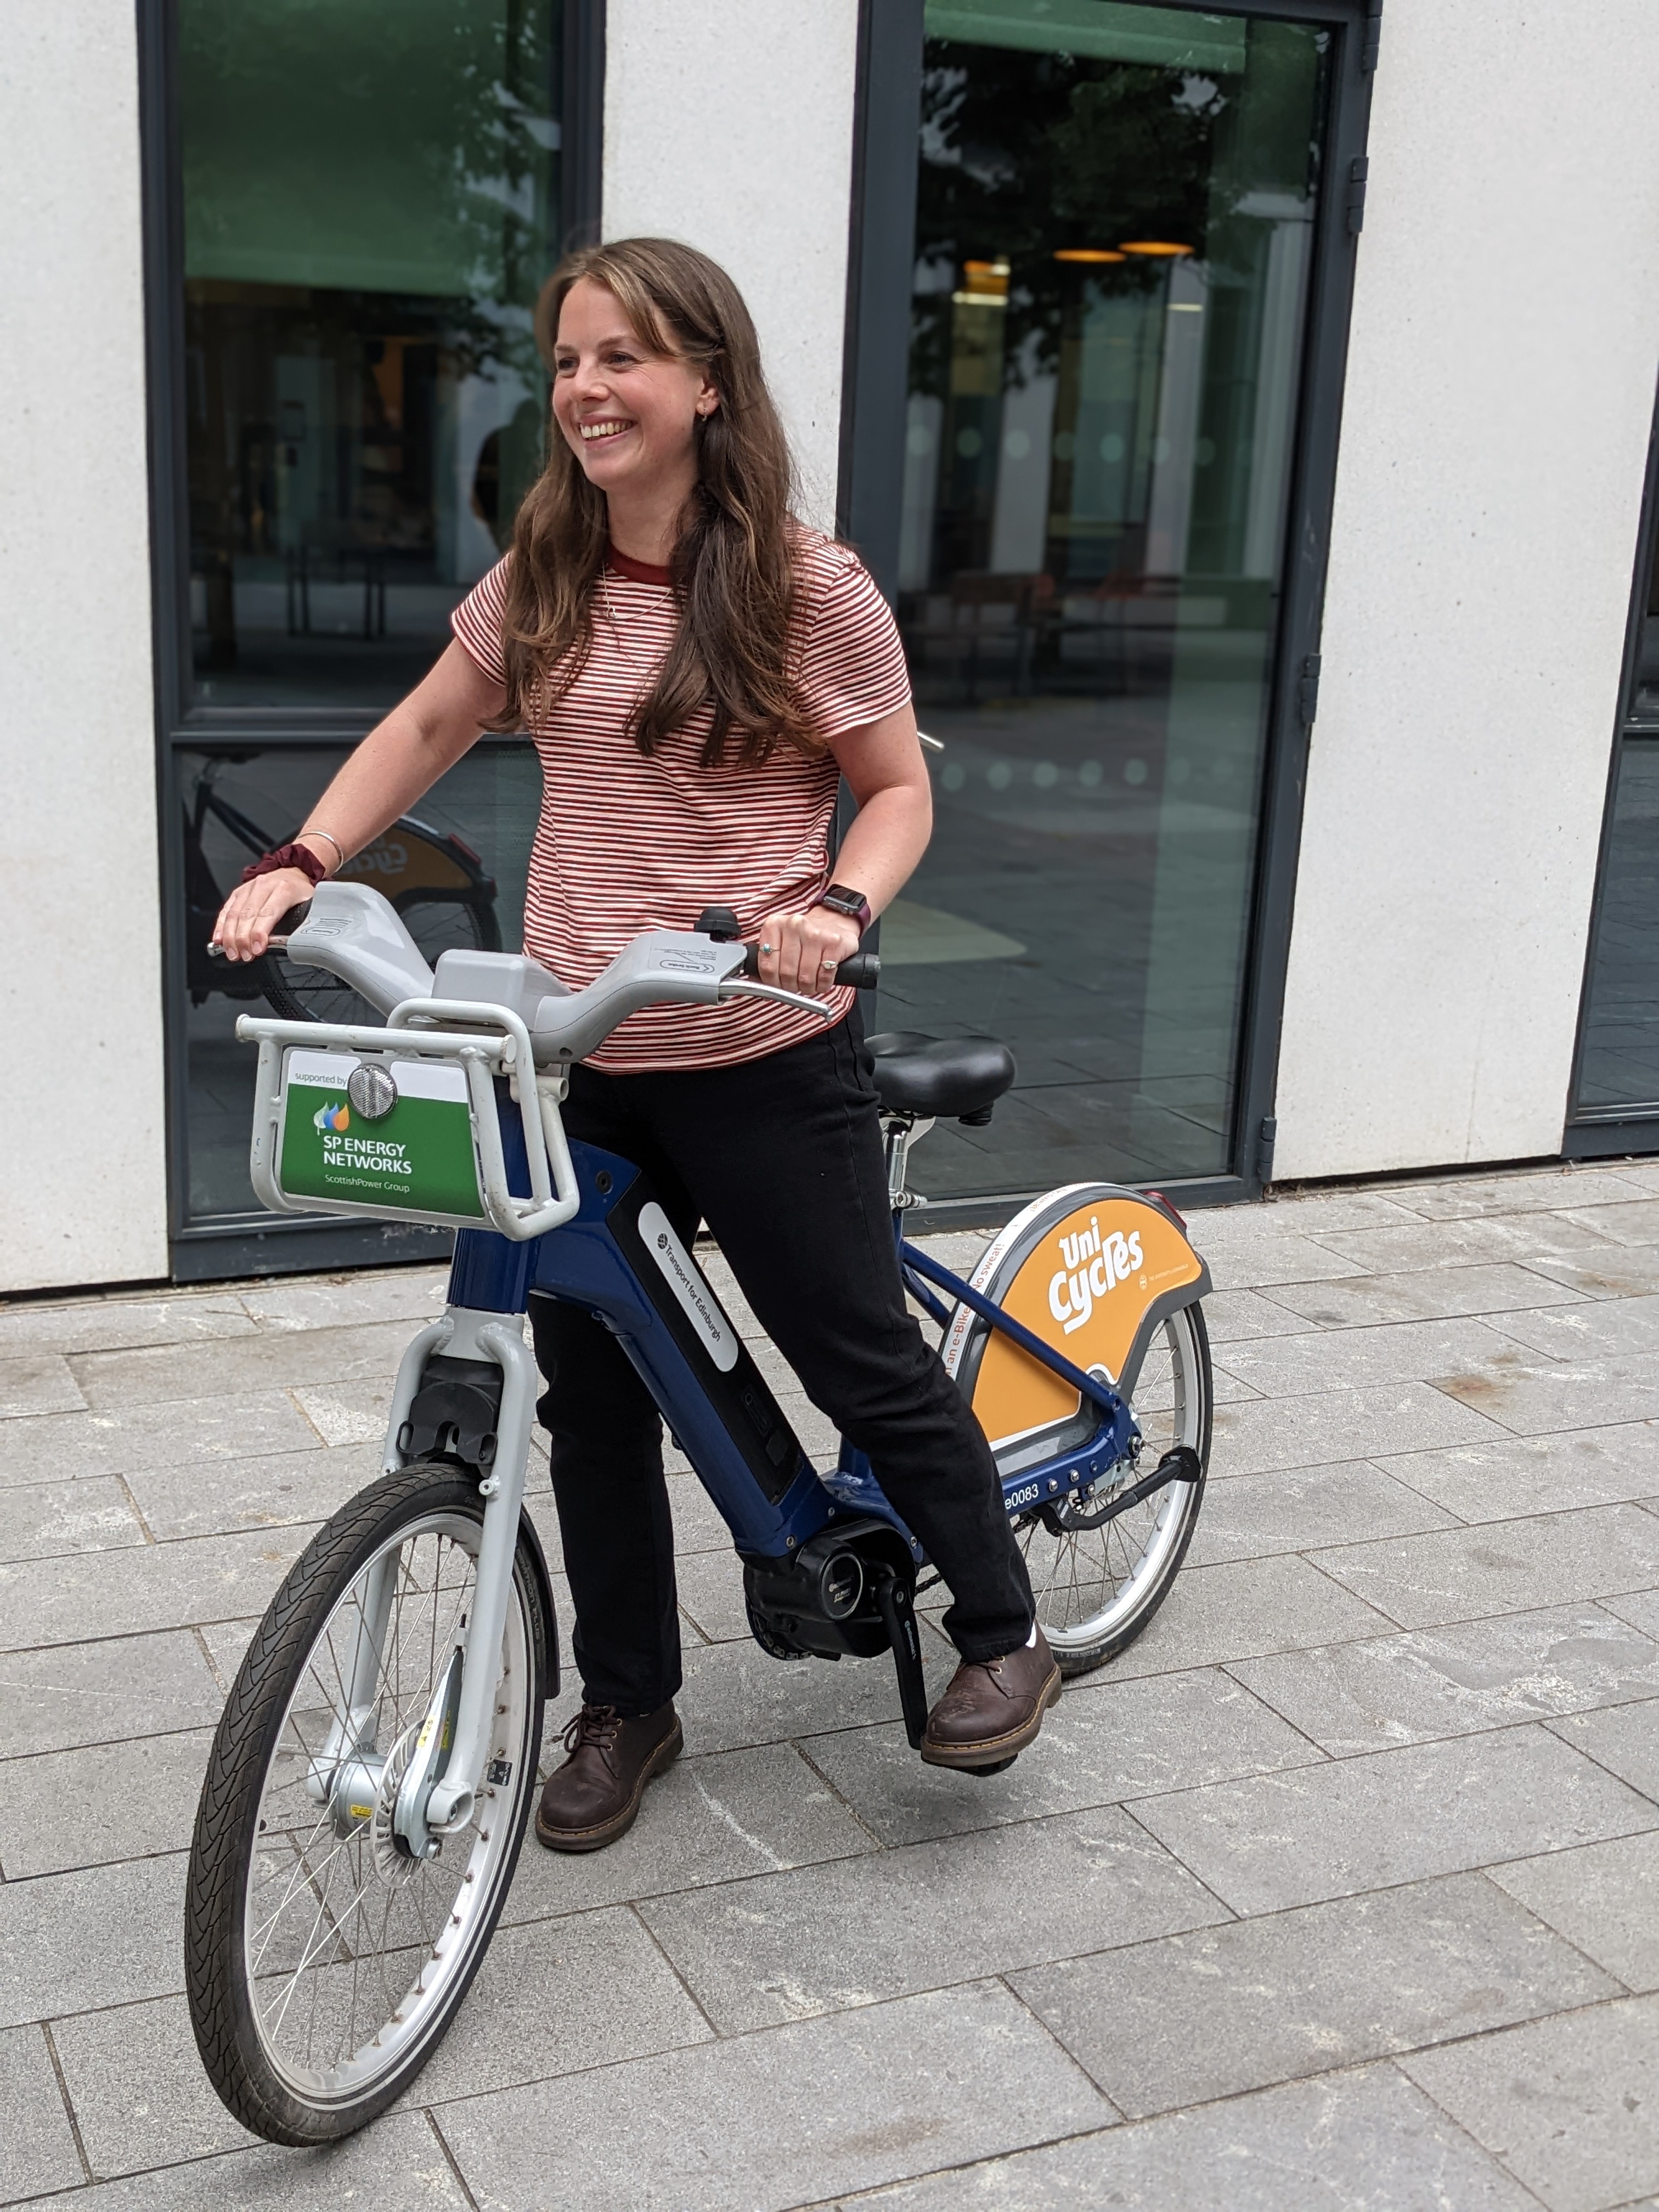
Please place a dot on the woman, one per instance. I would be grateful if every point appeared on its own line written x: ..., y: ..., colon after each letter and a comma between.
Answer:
x: 698, y: 670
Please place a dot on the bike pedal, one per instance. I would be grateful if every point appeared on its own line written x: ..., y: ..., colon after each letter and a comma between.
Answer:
x: 1001, y: 1766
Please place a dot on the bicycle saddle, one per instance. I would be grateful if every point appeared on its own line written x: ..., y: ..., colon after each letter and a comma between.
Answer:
x: 957, y: 1079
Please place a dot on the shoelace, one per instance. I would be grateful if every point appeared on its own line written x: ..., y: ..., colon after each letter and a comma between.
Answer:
x: 597, y: 1725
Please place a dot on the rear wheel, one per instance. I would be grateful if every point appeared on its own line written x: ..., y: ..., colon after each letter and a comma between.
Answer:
x: 323, y: 1964
x: 1099, y: 1577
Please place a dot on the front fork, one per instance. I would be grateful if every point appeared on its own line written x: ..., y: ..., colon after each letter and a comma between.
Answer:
x: 438, y: 1784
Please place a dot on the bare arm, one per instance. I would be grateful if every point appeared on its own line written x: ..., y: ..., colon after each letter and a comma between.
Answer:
x: 883, y: 764
x: 399, y: 759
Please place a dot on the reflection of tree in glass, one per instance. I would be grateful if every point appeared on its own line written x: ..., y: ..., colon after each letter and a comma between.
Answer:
x: 1040, y: 151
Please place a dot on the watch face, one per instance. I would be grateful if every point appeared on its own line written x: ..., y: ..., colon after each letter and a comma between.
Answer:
x: 840, y: 900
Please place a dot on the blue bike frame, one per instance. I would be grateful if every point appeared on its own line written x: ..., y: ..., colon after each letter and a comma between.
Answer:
x: 716, y: 1402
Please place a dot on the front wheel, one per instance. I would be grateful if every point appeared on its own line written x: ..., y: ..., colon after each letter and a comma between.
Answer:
x: 323, y: 1964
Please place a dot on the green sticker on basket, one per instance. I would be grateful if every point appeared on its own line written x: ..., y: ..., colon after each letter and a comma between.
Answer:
x: 417, y: 1159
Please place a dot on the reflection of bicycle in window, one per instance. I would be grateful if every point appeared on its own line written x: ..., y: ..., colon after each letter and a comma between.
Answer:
x: 434, y: 880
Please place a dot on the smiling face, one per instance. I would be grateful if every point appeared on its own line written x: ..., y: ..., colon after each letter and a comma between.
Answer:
x: 629, y: 414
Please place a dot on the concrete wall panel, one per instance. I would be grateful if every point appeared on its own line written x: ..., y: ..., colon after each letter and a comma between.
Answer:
x: 83, y: 1154
x: 732, y: 129
x: 1499, y: 396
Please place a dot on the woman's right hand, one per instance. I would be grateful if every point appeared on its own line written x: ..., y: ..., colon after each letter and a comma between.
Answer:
x: 254, y: 909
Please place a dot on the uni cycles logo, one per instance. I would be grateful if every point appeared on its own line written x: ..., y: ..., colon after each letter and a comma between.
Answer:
x: 1093, y: 1266
x: 333, y: 1118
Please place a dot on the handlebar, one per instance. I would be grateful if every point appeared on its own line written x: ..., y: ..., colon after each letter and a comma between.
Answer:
x: 860, y: 971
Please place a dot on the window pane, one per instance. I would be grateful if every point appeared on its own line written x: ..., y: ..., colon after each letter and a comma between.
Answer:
x: 455, y: 870
x: 370, y: 207
x: 1114, y: 228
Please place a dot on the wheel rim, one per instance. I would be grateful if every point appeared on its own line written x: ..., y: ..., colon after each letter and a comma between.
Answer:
x: 1089, y: 1583
x: 351, y: 1954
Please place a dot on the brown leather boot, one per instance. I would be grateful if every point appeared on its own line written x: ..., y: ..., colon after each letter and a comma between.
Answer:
x: 992, y: 1707
x: 594, y: 1797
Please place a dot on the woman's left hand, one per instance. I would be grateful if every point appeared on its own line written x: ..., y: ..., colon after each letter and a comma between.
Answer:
x: 802, y: 951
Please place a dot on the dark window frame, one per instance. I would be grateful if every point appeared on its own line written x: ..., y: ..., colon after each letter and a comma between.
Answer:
x: 258, y: 1242
x: 1610, y: 1131
x: 886, y: 129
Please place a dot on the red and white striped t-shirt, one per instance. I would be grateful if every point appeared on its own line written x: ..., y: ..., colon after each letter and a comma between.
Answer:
x: 628, y: 842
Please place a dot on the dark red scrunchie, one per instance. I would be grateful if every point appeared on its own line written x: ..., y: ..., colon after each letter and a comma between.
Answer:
x: 287, y: 856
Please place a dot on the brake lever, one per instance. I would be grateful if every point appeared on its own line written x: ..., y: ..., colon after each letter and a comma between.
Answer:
x: 735, y: 988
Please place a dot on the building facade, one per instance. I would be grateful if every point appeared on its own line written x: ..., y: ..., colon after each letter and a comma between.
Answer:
x: 1248, y: 412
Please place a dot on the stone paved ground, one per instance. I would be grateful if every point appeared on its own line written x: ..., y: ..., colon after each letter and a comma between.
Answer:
x: 1339, y: 1890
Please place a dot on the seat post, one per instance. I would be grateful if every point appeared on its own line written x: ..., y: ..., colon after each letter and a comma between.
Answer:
x: 901, y: 1131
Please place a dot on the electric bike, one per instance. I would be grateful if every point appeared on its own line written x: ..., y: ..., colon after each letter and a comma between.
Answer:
x: 377, y: 1761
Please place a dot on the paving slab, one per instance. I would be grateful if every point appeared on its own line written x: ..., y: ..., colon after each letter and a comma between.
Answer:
x: 1253, y: 1517
x: 1528, y: 1239
x: 141, y: 2096
x: 38, y: 1383
x: 345, y: 1413
x: 1545, y: 1190
x: 273, y: 1491
x: 1625, y: 1739
x: 1539, y: 1395
x: 714, y: 1819
x: 36, y: 2150
x: 827, y: 1939
x: 397, y: 2166
x: 104, y: 1693
x: 42, y: 1519
x: 231, y: 1425
x: 1268, y: 1257
x: 69, y: 1942
x: 765, y: 2122
x: 1570, y: 2105
x: 1602, y: 1897
x: 559, y: 1997
x: 1512, y: 1476
x: 1504, y: 1567
x: 1237, y: 1316
x: 1493, y: 1287
x: 1426, y: 1683
x: 120, y: 1324
x: 1349, y: 1825
x: 1353, y: 1358
x: 711, y: 1593
x: 1225, y: 2009
x: 1617, y: 1272
x: 1327, y: 1426
x: 406, y: 1294
x: 1627, y: 1220
x: 100, y: 1594
x: 1106, y: 1740
x: 93, y: 1805
x: 1362, y: 2142
x: 736, y: 1694
x: 1586, y: 1330
x: 1239, y: 1610
x: 268, y: 1359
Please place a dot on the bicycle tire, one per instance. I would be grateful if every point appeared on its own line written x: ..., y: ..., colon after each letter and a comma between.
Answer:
x: 232, y: 2037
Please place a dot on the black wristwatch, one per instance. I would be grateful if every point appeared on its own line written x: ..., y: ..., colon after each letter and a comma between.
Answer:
x: 853, y: 904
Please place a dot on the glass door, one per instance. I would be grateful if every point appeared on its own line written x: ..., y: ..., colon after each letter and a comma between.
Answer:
x: 1114, y: 239
x: 368, y: 201
x: 1615, y: 1105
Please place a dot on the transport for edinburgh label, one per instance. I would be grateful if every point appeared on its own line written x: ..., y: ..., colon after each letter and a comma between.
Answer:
x: 417, y: 1159
x: 690, y: 1285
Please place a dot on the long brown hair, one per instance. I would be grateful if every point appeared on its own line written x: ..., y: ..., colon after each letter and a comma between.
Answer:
x: 733, y: 569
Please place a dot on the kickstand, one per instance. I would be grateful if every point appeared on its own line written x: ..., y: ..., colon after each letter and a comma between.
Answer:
x: 898, y: 1611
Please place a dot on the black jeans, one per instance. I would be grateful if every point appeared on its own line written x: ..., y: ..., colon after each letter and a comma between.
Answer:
x: 782, y: 1158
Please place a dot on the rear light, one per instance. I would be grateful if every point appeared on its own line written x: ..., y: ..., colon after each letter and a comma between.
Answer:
x: 1158, y: 1199
x: 461, y: 845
